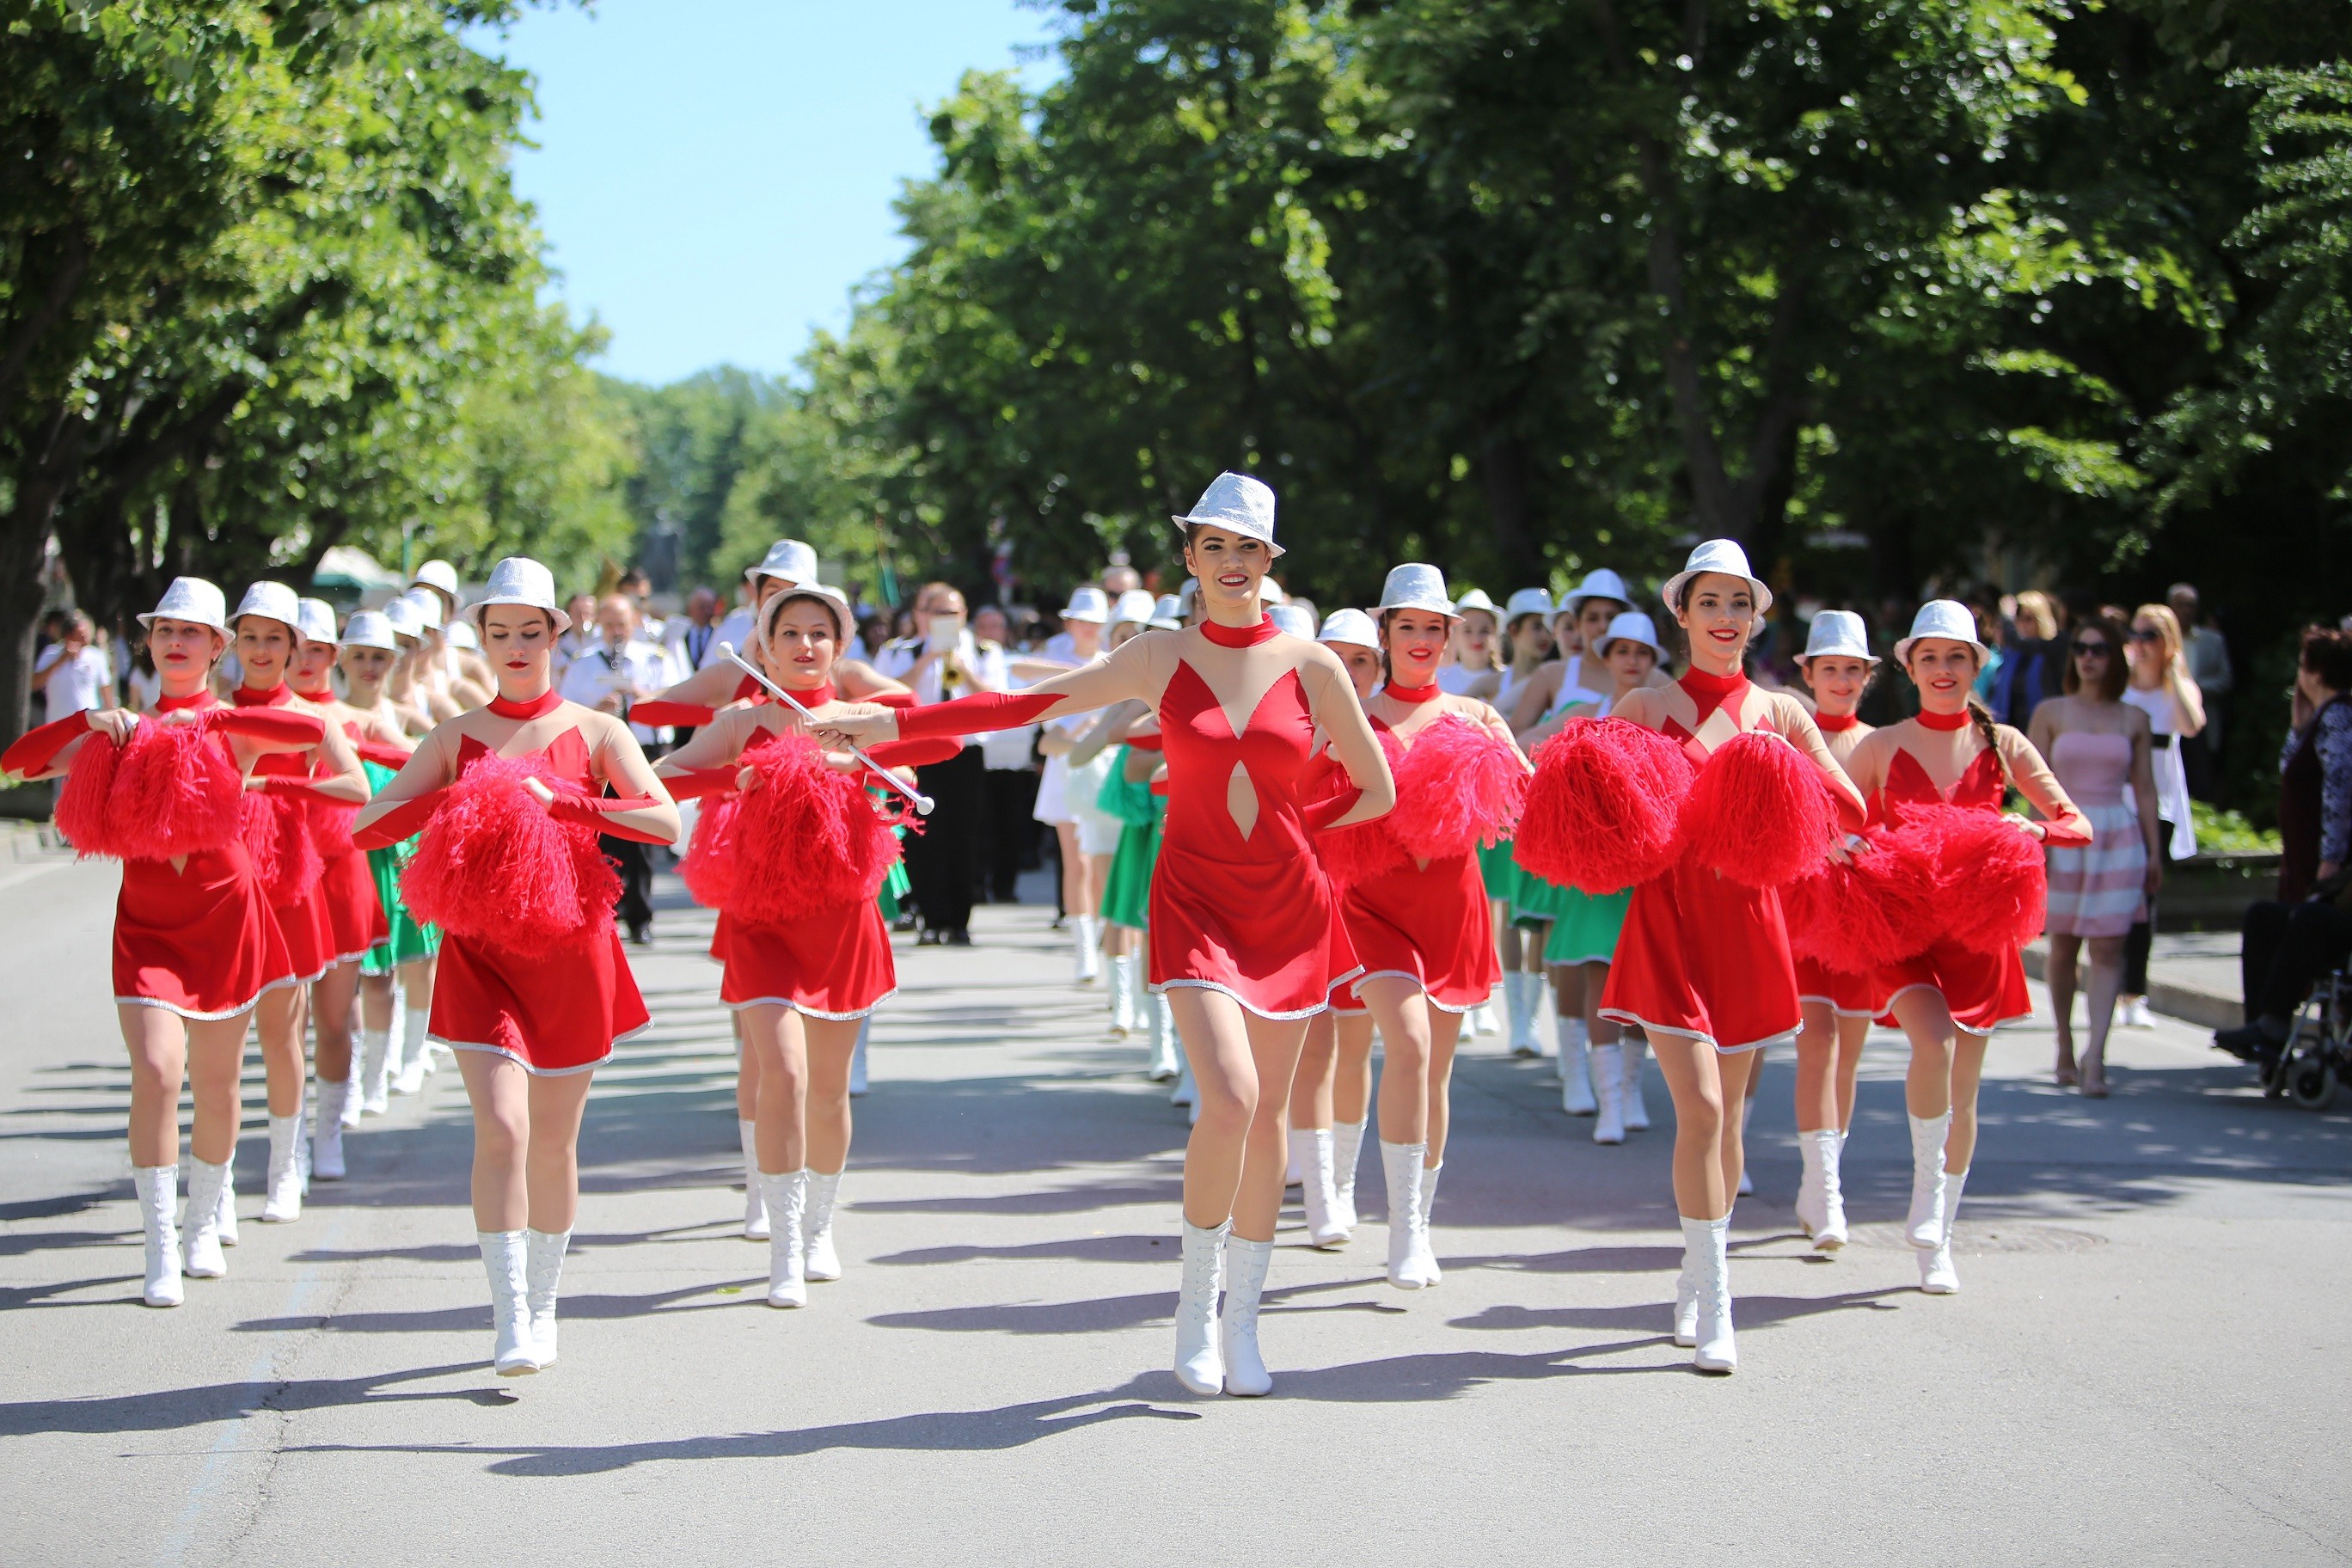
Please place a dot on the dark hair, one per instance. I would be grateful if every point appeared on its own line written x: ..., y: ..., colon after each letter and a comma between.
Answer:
x: 2117, y: 674
x: 2328, y: 654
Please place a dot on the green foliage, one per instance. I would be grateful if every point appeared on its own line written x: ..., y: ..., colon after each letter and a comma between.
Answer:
x: 2223, y: 832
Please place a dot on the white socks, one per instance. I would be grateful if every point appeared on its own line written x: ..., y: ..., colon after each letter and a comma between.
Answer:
x: 327, y: 1142
x: 1576, y: 1095
x: 158, y: 1187
x: 542, y: 1272
x: 505, y: 1260
x: 284, y: 1202
x: 1245, y: 1265
x: 1310, y: 1151
x: 375, y: 1072
x: 1706, y: 1262
x: 1924, y: 1226
x: 1347, y: 1150
x: 1637, y: 1113
x: 821, y: 1261
x: 1937, y: 1275
x: 1200, y: 1356
x: 1609, y: 1070
x: 755, y: 1201
x: 1088, y: 936
x: 1125, y: 968
x: 1413, y: 1266
x: 787, y: 1195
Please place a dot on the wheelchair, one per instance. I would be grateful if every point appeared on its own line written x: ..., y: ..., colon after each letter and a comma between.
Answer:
x: 2318, y: 1057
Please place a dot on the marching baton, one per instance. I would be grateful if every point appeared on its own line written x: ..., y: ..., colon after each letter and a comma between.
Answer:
x: 923, y: 803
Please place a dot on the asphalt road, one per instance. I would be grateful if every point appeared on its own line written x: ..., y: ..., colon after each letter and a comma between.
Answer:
x: 2151, y: 1360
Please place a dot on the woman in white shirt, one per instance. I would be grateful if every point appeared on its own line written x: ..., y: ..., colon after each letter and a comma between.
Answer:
x: 2161, y: 689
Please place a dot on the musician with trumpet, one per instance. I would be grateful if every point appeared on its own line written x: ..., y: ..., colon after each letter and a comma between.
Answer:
x: 943, y: 661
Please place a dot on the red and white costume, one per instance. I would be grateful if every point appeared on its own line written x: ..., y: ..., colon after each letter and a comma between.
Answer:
x: 1848, y: 994
x: 304, y: 921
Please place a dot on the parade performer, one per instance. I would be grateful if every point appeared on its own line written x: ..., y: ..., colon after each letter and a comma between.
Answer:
x: 1527, y: 636
x: 1092, y: 768
x: 806, y: 954
x: 1083, y: 619
x: 1241, y: 927
x: 532, y: 989
x: 195, y: 943
x: 281, y: 826
x: 403, y: 959
x: 1420, y: 926
x: 1475, y: 657
x: 1950, y: 997
x: 355, y: 917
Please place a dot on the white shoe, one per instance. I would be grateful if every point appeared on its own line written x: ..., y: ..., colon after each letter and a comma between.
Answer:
x: 1245, y: 1264
x: 1199, y: 1356
x: 1704, y: 1242
x: 1311, y: 1148
x: 1924, y: 1226
x: 787, y: 1195
x: 1608, y: 1127
x: 1428, y: 1175
x: 755, y: 1201
x: 1687, y: 1299
x: 1123, y: 971
x: 2135, y: 1013
x: 1412, y: 1265
x: 1937, y: 1275
x: 504, y: 1261
x: 1810, y: 1209
x: 414, y: 1064
x: 1576, y: 1096
x: 226, y: 1215
x: 1524, y: 994
x: 1184, y: 1093
x: 375, y: 1074
x: 1346, y: 1152
x: 1636, y: 1110
x: 1088, y: 937
x: 158, y: 1187
x: 327, y: 1142
x: 284, y: 1202
x: 542, y: 1274
x: 822, y: 1261
x: 1484, y: 1024
x: 857, y: 1084
x: 1166, y: 1067
x: 1831, y: 1235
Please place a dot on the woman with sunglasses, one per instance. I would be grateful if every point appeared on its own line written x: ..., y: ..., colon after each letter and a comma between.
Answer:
x: 2097, y: 743
x: 2161, y: 689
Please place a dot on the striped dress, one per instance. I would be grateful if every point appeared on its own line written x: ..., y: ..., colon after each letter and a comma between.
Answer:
x: 2099, y: 891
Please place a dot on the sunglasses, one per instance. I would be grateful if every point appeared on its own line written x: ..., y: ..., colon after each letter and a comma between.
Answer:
x: 2140, y: 634
x: 2091, y: 650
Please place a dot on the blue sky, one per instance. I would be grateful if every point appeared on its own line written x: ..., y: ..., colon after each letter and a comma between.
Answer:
x: 715, y: 175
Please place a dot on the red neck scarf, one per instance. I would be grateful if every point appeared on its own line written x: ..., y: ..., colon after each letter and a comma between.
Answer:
x: 277, y: 696
x: 544, y: 703
x: 324, y: 693
x: 1412, y: 695
x: 1712, y: 691
x: 200, y: 698
x: 815, y: 697
x: 1240, y: 636
x: 1832, y: 723
x: 1944, y: 721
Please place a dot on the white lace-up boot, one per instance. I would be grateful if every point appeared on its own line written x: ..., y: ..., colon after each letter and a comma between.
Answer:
x: 1576, y: 1096
x: 787, y: 1194
x: 1608, y: 1126
x: 327, y: 1142
x: 1088, y: 937
x: 542, y: 1275
x: 1165, y: 1066
x: 1832, y: 1235
x: 817, y: 1226
x: 416, y: 1060
x: 1811, y: 1211
x: 1636, y: 1110
x: 1310, y: 1149
x: 1705, y: 1243
x: 503, y: 1261
x: 226, y: 1213
x: 1200, y: 1357
x: 1746, y: 1175
x: 1346, y: 1153
x: 755, y: 1200
x: 374, y: 1097
x: 1245, y: 1265
x: 1123, y: 970
x: 1687, y: 1291
x: 1937, y: 1275
x: 284, y: 1202
x: 1428, y: 1175
x: 158, y: 1187
x: 1412, y: 1265
x: 1527, y: 994
x: 1924, y: 1226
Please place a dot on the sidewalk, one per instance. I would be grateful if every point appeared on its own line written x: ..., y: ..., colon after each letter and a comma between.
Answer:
x: 2191, y: 975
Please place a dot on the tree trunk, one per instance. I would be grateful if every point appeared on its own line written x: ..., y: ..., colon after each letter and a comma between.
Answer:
x: 41, y: 485
x: 1503, y: 474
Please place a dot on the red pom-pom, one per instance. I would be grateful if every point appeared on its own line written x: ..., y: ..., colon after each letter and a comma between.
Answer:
x: 170, y: 790
x: 330, y: 828
x: 807, y: 836
x: 494, y: 868
x: 85, y: 801
x: 1760, y: 813
x: 1458, y: 788
x: 709, y: 869
x: 1601, y: 809
x: 1362, y: 850
x: 276, y: 833
x: 1990, y: 876
x: 1877, y: 910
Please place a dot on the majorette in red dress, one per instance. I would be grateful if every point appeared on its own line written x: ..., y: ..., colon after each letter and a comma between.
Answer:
x: 1848, y: 994
x: 355, y: 917
x: 1982, y: 990
x: 302, y: 920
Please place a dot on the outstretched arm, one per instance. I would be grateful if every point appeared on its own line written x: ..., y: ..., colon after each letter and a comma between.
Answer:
x: 1139, y: 669
x: 2063, y: 823
x: 1331, y: 701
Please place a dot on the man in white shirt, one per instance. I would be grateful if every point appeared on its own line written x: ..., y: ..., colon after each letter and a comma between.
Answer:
x: 1011, y: 759
x: 942, y: 860
x: 74, y: 676
x: 617, y: 669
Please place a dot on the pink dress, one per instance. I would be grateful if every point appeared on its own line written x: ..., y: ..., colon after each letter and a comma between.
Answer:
x: 2099, y: 890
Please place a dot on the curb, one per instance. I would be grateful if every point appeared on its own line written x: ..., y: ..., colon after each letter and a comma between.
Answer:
x: 2188, y: 1004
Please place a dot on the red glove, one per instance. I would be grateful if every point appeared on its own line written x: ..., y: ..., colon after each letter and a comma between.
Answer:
x: 904, y: 753
x: 1320, y: 814
x: 403, y: 821
x: 287, y: 784
x: 896, y: 700
x: 595, y: 812
x: 2070, y: 834
x: 701, y: 781
x: 271, y: 725
x: 36, y: 749
x: 1149, y: 741
x: 685, y: 714
x: 970, y: 715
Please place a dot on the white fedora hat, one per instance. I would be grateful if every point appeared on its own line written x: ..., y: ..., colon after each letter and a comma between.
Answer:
x: 271, y: 602
x: 519, y: 580
x: 788, y: 559
x: 1527, y: 602
x: 1838, y: 633
x: 1135, y: 606
x: 1630, y: 625
x: 194, y: 600
x: 370, y: 628
x: 1292, y: 620
x: 427, y: 605
x: 1476, y: 599
x: 437, y: 574
x: 1167, y: 613
x: 1724, y: 557
x: 1351, y: 627
x: 833, y: 598
x: 460, y: 633
x: 400, y: 615
x: 1946, y: 618
x: 1238, y: 503
x: 318, y: 620
x: 1599, y: 584
x: 1417, y: 586
x: 1088, y: 602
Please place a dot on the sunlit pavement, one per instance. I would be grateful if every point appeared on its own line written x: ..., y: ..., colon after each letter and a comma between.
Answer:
x: 2147, y: 1363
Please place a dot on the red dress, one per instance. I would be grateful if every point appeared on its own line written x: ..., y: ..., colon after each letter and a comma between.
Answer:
x: 555, y: 1011
x: 1981, y: 990
x: 355, y: 918
x: 1250, y: 915
x: 1702, y: 956
x: 302, y: 924
x: 1429, y: 922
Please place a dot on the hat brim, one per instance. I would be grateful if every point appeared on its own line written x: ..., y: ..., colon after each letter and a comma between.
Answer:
x: 1086, y: 617
x: 474, y: 614
x: 261, y: 615
x: 1810, y: 654
x: 1601, y: 650
x: 1447, y: 610
x: 1675, y: 583
x: 152, y: 617
x: 1184, y: 522
x: 1902, y: 648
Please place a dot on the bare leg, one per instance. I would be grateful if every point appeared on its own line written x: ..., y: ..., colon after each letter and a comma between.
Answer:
x: 500, y: 1091
x: 2107, y: 981
x: 1508, y: 939
x: 376, y: 1003
x: 2059, y: 975
x: 1694, y: 1075
x: 1075, y: 900
x: 1927, y: 1086
x: 332, y: 997
x: 157, y: 1040
x: 1403, y: 1014
x: 1968, y: 1069
x: 829, y: 1042
x: 416, y: 981
x: 1351, y: 1088
x: 1319, y: 1062
x: 775, y: 1032
x: 1444, y: 1034
x: 551, y: 1171
x: 746, y: 1072
x: 1243, y: 1066
x: 216, y: 1069
x: 1601, y: 1031
x: 280, y: 1014
x: 1568, y: 988
x: 1097, y: 876
x: 1740, y: 1072
x: 1817, y: 1062
x: 1853, y: 1034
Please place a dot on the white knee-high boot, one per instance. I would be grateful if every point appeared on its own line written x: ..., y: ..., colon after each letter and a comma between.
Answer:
x: 1184, y: 1093
x: 787, y: 1195
x: 1347, y: 1153
x: 415, y: 1061
x: 1925, y: 1224
x: 1608, y: 1126
x: 375, y: 1073
x: 1937, y: 1275
x: 504, y: 1261
x: 327, y: 1142
x: 858, y: 1083
x: 1123, y: 970
x: 1167, y: 1064
x: 1705, y: 1244
x: 1527, y: 998
x: 1810, y: 1212
x: 1832, y: 1235
x: 284, y: 1202
x: 1687, y: 1289
x: 228, y: 1203
x: 158, y: 1187
x: 817, y: 1226
x: 1576, y: 1096
x: 1088, y: 938
x: 1310, y: 1151
x: 1199, y: 1356
x: 542, y: 1278
x: 1245, y: 1265
x: 1428, y: 1175
x: 1412, y: 1265
x: 1636, y: 1110
x: 200, y: 1244
x: 755, y: 1198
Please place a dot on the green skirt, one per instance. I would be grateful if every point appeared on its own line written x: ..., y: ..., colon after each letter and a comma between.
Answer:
x: 409, y: 941
x: 1127, y: 891
x: 1585, y: 930
x: 1536, y: 900
x: 1500, y: 870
